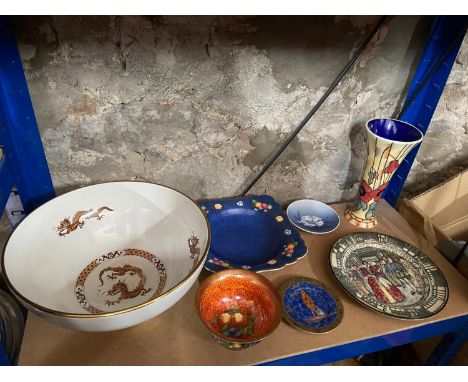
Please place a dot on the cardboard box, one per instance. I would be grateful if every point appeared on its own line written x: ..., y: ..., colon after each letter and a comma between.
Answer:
x: 441, y: 215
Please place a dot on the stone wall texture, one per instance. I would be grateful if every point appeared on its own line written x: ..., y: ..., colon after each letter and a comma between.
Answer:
x: 199, y: 103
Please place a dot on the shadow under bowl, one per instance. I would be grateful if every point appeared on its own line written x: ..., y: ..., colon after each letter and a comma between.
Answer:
x: 239, y: 308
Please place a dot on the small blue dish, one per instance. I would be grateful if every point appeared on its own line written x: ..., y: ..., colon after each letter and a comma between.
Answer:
x: 313, y: 216
x: 310, y: 306
x: 251, y: 233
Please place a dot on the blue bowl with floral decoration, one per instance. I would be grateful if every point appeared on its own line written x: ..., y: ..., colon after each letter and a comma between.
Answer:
x: 251, y: 233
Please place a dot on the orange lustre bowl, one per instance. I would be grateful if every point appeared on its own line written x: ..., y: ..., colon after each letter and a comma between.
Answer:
x: 239, y: 308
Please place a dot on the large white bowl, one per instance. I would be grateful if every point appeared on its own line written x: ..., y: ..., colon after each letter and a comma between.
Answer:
x: 107, y: 256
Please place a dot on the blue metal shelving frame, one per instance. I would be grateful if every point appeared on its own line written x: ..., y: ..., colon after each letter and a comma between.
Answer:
x: 445, y: 30
x: 457, y: 326
x: 24, y: 165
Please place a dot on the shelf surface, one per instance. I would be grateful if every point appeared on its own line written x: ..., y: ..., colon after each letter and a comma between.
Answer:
x: 177, y: 337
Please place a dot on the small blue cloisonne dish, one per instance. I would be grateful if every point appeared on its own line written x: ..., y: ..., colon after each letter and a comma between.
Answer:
x: 251, y: 233
x: 313, y: 216
x: 310, y: 306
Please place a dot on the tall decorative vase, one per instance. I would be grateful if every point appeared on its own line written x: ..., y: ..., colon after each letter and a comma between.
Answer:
x: 388, y: 143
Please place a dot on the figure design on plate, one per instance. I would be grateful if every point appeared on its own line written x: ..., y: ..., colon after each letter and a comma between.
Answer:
x: 394, y: 294
x: 311, y: 221
x: 411, y: 277
x: 358, y: 281
x: 379, y: 283
x: 67, y: 225
x: 388, y: 275
x: 388, y: 280
x: 121, y: 287
x: 376, y: 288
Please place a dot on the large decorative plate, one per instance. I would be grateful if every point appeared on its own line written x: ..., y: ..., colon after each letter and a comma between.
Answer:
x: 251, y: 233
x: 389, y: 275
x: 310, y: 306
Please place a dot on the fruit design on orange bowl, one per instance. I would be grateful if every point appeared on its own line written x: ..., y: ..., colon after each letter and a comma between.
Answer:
x: 239, y: 308
x: 236, y: 322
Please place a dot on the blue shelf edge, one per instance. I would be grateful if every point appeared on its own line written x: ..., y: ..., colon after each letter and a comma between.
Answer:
x: 371, y: 345
x: 3, y: 357
x: 6, y: 182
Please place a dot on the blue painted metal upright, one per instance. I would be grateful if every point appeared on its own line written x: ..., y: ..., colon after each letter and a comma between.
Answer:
x: 419, y: 113
x: 448, y: 347
x: 3, y: 358
x: 6, y: 178
x: 24, y: 163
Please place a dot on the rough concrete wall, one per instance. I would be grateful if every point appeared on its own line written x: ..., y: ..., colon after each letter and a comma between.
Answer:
x: 198, y: 103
